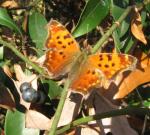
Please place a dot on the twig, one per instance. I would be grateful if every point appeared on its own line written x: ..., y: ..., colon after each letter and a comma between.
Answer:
x: 110, y: 31
x: 20, y: 55
x: 125, y: 111
x: 59, y: 108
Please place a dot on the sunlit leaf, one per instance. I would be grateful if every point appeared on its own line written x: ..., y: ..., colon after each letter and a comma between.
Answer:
x: 15, y: 124
x: 93, y: 14
x: 7, y: 21
x: 137, y: 28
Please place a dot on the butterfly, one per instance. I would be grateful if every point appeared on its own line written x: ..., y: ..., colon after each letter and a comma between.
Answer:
x: 63, y: 56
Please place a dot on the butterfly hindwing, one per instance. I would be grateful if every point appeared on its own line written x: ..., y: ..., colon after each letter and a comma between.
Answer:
x: 103, y: 66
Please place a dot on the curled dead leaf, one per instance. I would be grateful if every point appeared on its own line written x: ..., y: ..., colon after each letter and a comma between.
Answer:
x: 9, y: 4
x: 135, y: 79
x: 136, y: 27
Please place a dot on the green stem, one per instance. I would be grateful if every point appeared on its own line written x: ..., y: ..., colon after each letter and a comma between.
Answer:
x: 20, y: 55
x: 59, y: 108
x: 110, y: 31
x: 113, y: 113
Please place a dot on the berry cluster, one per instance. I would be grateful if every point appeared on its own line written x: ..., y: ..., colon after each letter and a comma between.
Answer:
x: 29, y: 94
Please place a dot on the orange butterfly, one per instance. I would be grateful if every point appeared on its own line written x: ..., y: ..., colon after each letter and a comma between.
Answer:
x: 85, y: 71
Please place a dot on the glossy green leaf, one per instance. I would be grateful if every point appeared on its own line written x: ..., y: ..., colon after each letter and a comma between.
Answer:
x: 93, y: 14
x: 7, y: 21
x: 116, y: 41
x: 117, y: 9
x: 1, y: 52
x: 53, y: 89
x: 15, y: 124
x: 37, y: 29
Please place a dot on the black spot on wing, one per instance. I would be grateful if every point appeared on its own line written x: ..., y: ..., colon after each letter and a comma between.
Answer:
x: 106, y: 65
x: 109, y: 56
x: 67, y: 36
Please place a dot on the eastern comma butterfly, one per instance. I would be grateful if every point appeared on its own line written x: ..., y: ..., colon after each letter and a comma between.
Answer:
x: 85, y: 71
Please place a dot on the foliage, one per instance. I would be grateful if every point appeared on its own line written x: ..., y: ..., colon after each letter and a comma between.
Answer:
x: 106, y: 24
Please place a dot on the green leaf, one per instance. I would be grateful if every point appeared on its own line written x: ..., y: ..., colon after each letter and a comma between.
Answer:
x: 37, y: 29
x: 15, y: 124
x: 116, y: 41
x: 1, y: 52
x: 146, y: 103
x: 53, y: 89
x: 148, y: 7
x: 93, y: 14
x: 7, y: 21
x: 143, y: 17
x: 117, y: 9
x: 128, y: 43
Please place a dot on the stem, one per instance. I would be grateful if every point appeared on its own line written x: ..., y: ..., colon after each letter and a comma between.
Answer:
x: 21, y: 56
x: 59, y: 108
x: 113, y: 113
x: 110, y: 31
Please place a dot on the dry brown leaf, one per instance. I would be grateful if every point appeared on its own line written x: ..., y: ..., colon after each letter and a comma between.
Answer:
x: 136, y: 27
x: 9, y: 4
x: 71, y: 132
x: 37, y: 120
x: 135, y: 79
x: 6, y: 98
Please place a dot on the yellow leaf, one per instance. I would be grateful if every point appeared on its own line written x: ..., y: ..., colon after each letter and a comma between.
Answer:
x: 136, y: 27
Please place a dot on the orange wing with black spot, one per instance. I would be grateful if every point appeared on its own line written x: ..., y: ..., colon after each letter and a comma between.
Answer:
x: 62, y: 48
x: 99, y: 67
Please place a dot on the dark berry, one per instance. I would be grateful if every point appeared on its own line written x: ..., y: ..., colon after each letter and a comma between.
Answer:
x: 30, y: 95
x: 41, y: 97
x: 24, y: 86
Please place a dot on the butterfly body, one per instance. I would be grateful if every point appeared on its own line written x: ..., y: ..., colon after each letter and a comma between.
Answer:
x: 85, y: 71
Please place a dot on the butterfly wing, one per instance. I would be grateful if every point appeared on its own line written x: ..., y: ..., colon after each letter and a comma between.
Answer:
x: 62, y: 48
x: 100, y: 67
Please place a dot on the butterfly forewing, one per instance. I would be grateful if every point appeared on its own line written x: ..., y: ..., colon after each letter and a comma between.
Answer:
x: 62, y: 48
